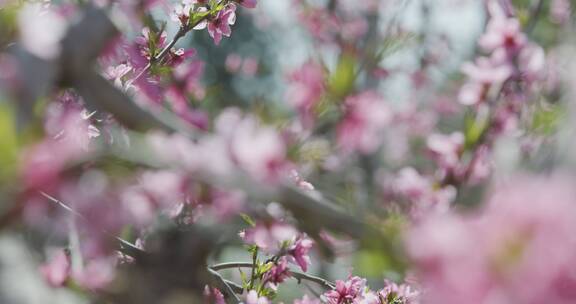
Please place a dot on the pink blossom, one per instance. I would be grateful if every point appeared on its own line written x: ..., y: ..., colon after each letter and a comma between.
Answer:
x: 233, y: 63
x: 483, y: 74
x: 503, y: 32
x: 446, y: 149
x: 96, y: 274
x: 116, y: 73
x: 532, y: 63
x: 150, y: 43
x: 220, y: 25
x: 306, y: 300
x: 402, y: 293
x: 366, y: 116
x: 182, y: 11
x: 226, y: 204
x: 523, y: 237
x: 164, y: 188
x: 277, y: 274
x: 253, y: 298
x: 259, y: 150
x: 70, y: 137
x: 248, y: 3
x: 422, y: 192
x: 349, y: 291
x: 300, y: 182
x: 320, y: 23
x: 560, y: 11
x: 57, y: 270
x: 213, y: 296
x: 487, y: 70
x: 185, y: 82
x: 299, y: 252
x: 250, y: 66
x: 306, y: 87
x: 270, y: 238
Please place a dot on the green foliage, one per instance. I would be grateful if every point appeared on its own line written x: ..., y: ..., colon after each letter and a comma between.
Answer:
x: 342, y: 80
x: 474, y: 128
x: 8, y: 143
x: 546, y: 118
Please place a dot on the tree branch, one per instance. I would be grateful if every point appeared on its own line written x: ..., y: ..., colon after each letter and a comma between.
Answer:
x: 296, y: 274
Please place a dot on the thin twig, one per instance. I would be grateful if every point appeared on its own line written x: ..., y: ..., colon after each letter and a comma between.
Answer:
x: 182, y: 31
x: 125, y: 246
x: 534, y: 16
x: 296, y: 274
x: 254, y: 261
x: 226, y: 286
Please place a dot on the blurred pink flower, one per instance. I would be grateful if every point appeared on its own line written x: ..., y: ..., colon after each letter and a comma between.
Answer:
x: 270, y: 237
x: 446, y: 149
x: 57, y: 269
x: 520, y: 248
x: 422, y: 192
x: 213, y: 296
x: 306, y: 87
x: 503, y: 32
x: 233, y: 62
x: 250, y: 66
x: 307, y: 300
x: 560, y: 11
x: 253, y: 298
x: 96, y: 274
x: 257, y: 149
x: 366, y: 117
x: 248, y: 3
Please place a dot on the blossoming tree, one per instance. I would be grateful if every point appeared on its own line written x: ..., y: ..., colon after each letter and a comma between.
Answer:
x: 165, y: 152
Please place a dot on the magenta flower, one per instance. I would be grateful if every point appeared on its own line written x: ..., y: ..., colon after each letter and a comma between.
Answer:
x: 277, y: 274
x: 220, y: 25
x: 403, y: 293
x: 299, y: 252
x: 346, y: 291
x: 213, y: 296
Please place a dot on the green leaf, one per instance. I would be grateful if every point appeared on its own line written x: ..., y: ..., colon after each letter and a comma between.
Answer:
x: 196, y: 17
x: 262, y: 269
x: 342, y: 80
x: 8, y: 144
x: 248, y: 219
x: 474, y: 129
x: 372, y: 263
x: 546, y: 119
